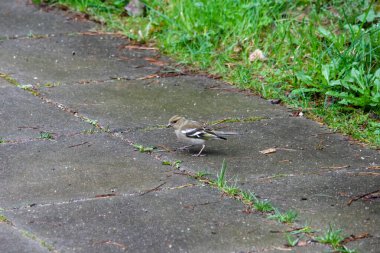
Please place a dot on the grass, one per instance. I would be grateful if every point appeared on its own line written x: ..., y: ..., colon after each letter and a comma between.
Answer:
x: 331, y: 237
x: 176, y: 164
x: 201, y: 174
x: 143, y: 149
x: 263, y: 206
x: 40, y: 241
x: 286, y: 217
x: 3, y: 219
x: 92, y: 122
x: 46, y: 136
x: 292, y: 241
x: 247, y: 197
x: 221, y: 181
x: 28, y: 87
x: 322, y: 57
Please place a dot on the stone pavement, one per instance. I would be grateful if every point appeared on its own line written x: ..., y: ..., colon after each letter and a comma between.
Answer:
x: 72, y: 104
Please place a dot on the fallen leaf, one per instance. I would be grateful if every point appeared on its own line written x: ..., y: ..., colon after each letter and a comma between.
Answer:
x: 182, y: 186
x: 369, y: 195
x: 155, y: 61
x: 352, y: 238
x: 140, y: 47
x: 149, y: 77
x: 238, y: 48
x: 257, y: 55
x: 268, y: 151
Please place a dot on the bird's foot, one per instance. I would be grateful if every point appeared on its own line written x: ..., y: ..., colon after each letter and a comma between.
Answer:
x: 198, y: 155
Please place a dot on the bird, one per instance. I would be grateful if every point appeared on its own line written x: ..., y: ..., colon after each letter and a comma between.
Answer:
x: 195, y: 133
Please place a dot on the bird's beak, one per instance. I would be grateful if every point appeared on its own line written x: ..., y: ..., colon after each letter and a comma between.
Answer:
x: 168, y: 125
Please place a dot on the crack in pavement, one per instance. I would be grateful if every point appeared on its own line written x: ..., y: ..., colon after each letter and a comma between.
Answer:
x: 102, y: 197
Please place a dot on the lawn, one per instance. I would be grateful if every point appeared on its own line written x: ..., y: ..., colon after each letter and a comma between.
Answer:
x: 319, y: 57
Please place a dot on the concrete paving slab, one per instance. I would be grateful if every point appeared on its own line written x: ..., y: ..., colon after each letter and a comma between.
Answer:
x: 24, y: 116
x: 13, y: 241
x: 307, y: 153
x: 316, y: 172
x: 19, y: 18
x: 302, y: 146
x: 77, y: 168
x: 195, y: 219
x: 322, y: 200
x: 134, y: 104
x: 64, y: 59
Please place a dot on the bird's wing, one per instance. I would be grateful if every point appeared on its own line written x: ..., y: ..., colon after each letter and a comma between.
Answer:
x: 201, y: 133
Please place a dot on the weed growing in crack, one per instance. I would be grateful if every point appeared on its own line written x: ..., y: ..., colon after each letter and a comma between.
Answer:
x: 46, y: 136
x: 231, y: 190
x: 287, y: 217
x: 344, y: 249
x: 305, y: 230
x: 176, y: 164
x: 3, y: 219
x: 35, y: 238
x: 51, y: 85
x: 221, y: 180
x: 10, y: 79
x: 248, y: 197
x: 93, y: 122
x: 291, y: 240
x: 263, y: 206
x: 332, y: 237
x: 90, y: 131
x: 201, y: 174
x: 143, y: 149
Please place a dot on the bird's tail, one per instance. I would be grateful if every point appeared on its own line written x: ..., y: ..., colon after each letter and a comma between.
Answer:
x: 223, y: 134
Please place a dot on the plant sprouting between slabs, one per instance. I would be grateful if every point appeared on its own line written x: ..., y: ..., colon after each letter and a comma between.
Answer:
x: 46, y: 136
x: 287, y: 217
x: 143, y: 149
x: 176, y: 164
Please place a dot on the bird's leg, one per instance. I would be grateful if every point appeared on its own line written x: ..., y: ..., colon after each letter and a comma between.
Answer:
x: 203, y: 147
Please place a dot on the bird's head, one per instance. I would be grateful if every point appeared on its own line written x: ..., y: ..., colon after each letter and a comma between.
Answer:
x: 174, y: 120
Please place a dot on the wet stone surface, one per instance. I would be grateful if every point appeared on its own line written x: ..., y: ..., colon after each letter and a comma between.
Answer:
x: 19, y: 18
x: 76, y: 58
x: 18, y: 241
x: 77, y: 168
x: 194, y: 219
x: 145, y: 104
x: 87, y: 189
x: 35, y: 117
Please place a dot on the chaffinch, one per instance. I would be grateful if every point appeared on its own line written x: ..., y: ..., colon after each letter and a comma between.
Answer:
x: 195, y: 133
